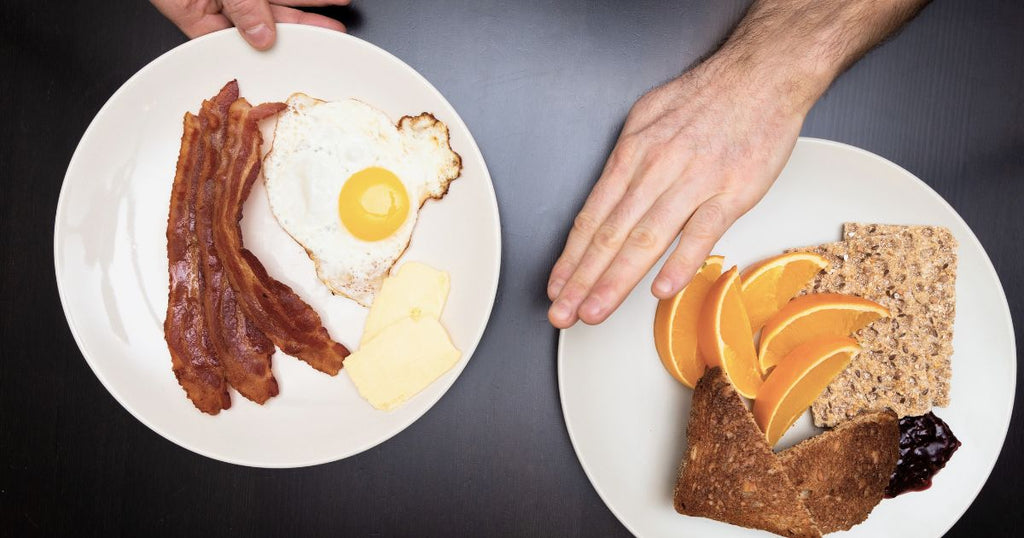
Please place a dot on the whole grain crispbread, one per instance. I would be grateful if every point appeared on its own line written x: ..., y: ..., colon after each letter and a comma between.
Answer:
x: 937, y: 248
x: 842, y: 474
x: 905, y: 365
x: 729, y: 473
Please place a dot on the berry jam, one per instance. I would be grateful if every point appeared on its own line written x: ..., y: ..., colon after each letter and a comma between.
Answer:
x: 926, y: 444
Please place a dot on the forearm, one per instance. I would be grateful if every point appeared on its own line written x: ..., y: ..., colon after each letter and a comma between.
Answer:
x: 798, y: 47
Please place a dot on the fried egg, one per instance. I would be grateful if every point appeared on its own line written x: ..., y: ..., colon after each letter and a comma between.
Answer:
x: 347, y: 184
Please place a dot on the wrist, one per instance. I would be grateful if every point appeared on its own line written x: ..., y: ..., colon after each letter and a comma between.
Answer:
x: 779, y: 86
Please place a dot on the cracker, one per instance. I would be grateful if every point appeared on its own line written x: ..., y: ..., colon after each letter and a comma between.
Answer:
x: 905, y: 364
x: 937, y: 248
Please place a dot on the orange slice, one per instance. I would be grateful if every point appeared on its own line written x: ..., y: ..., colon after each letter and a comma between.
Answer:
x: 798, y: 380
x: 675, y: 325
x: 814, y: 316
x: 769, y: 284
x: 724, y: 336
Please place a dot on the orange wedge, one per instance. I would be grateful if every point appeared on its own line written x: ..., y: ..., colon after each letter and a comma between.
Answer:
x: 724, y: 336
x: 675, y: 325
x: 814, y: 316
x: 769, y: 284
x: 798, y: 380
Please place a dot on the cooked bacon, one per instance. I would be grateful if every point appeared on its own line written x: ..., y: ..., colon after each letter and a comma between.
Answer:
x: 244, y: 351
x: 274, y: 308
x: 193, y: 356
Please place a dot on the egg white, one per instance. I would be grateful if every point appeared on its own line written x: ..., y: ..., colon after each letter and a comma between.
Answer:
x: 317, y: 146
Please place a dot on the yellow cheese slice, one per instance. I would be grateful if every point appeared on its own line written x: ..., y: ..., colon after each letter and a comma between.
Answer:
x: 402, y: 360
x: 416, y: 290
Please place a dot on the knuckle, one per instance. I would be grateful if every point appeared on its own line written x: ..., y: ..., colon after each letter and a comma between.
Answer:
x: 643, y: 237
x: 628, y: 146
x: 709, y: 219
x: 575, y: 288
x: 584, y: 223
x: 239, y: 7
x: 561, y: 268
x: 646, y: 102
x: 618, y: 164
x: 603, y: 292
x: 607, y: 237
x: 626, y: 151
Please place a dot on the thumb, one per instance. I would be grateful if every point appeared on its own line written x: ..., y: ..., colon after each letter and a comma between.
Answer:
x: 253, y: 19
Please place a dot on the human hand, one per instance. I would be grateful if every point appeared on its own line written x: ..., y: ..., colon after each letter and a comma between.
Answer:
x: 254, y: 18
x: 697, y: 153
x: 694, y: 155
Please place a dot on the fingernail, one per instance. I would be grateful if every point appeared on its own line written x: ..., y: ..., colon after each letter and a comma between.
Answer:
x: 554, y: 288
x: 662, y: 286
x: 259, y: 36
x: 592, y: 308
x: 561, y: 310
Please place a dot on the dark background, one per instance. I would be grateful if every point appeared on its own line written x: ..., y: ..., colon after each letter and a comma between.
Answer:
x: 544, y: 87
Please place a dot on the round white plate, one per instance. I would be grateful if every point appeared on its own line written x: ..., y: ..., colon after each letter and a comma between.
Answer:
x: 111, y: 258
x: 627, y: 417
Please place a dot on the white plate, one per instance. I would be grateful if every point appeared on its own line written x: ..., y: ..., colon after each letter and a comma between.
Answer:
x: 627, y: 417
x: 111, y: 259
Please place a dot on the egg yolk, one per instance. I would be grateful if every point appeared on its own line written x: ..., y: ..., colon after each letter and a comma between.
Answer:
x: 373, y: 204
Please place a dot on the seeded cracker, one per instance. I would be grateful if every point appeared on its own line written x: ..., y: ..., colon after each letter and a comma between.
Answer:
x: 905, y: 364
x: 936, y: 289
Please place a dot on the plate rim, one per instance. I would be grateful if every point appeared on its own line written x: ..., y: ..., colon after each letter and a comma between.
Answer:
x: 1007, y: 318
x: 283, y: 28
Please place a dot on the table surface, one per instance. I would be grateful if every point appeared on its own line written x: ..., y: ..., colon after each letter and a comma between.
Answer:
x: 544, y: 87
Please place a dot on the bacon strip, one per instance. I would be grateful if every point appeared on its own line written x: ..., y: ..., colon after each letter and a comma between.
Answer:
x: 244, y: 351
x: 274, y: 308
x: 193, y: 356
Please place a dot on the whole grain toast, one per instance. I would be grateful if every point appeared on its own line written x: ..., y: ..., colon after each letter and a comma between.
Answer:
x: 842, y: 474
x: 729, y: 473
x: 905, y: 365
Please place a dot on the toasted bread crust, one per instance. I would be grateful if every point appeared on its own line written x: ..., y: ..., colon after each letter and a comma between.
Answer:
x: 729, y: 473
x: 842, y: 474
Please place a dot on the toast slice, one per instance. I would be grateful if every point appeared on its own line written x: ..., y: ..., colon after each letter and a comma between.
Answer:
x: 729, y: 473
x: 842, y: 474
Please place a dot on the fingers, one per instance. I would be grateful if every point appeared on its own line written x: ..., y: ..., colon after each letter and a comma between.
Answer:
x: 648, y: 240
x: 254, y: 21
x: 659, y: 167
x: 195, y: 27
x: 606, y: 242
x: 254, y: 18
x: 287, y: 14
x: 607, y: 192
x: 610, y: 237
x: 192, y: 22
x: 309, y: 3
x: 704, y: 228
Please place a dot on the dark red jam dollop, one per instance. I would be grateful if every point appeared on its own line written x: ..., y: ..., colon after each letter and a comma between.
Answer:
x: 926, y: 444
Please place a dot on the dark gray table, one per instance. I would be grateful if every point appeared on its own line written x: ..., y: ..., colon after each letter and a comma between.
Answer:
x: 544, y: 87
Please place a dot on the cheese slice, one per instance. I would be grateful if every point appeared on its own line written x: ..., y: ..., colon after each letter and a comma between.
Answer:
x: 402, y: 360
x: 416, y: 290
